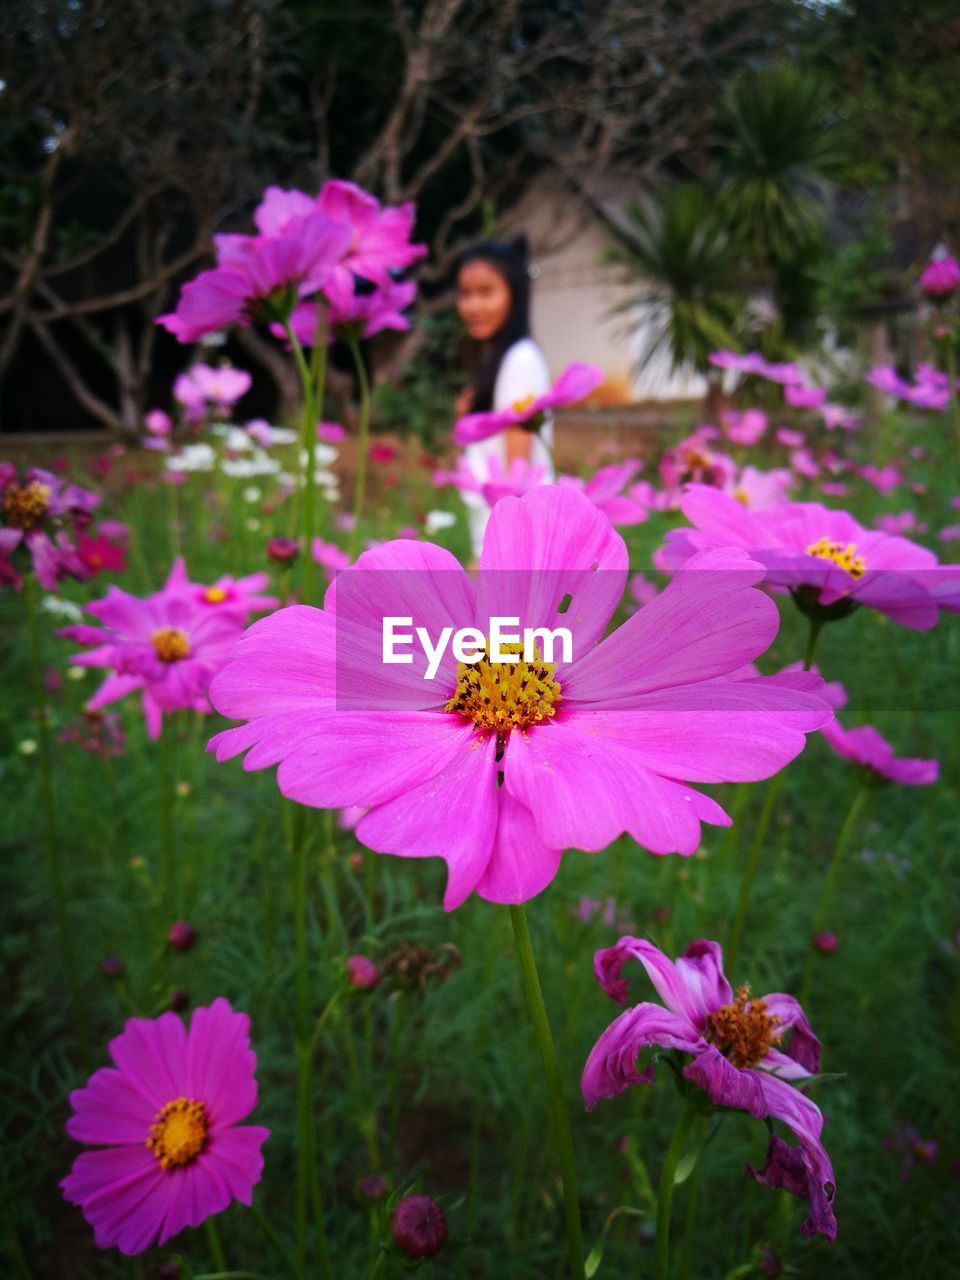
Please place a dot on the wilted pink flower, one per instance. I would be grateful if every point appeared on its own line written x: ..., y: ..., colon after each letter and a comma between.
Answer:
x: 575, y: 383
x: 828, y: 553
x: 41, y: 515
x: 571, y: 754
x: 166, y: 1120
x: 940, y: 278
x: 167, y: 646
x: 228, y: 594
x: 418, y: 1227
x: 737, y: 1056
x: 865, y: 747
x: 362, y: 973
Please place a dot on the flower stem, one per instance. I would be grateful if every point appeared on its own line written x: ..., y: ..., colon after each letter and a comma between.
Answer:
x: 275, y: 1239
x: 951, y: 362
x: 668, y: 1179
x: 308, y: 444
x: 216, y: 1248
x: 816, y: 626
x: 166, y: 750
x: 557, y: 1102
x: 829, y: 886
x: 52, y: 841
x: 364, y: 384
x: 693, y: 1197
x: 750, y: 870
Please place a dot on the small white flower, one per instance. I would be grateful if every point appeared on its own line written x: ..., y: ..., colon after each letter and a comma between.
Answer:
x: 192, y: 457
x: 61, y: 608
x: 234, y: 438
x: 27, y: 747
x: 251, y: 493
x: 252, y: 523
x: 437, y: 520
x: 76, y: 673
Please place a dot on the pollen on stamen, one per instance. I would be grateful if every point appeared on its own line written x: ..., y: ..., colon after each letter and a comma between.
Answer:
x: 508, y: 695
x: 215, y: 595
x: 844, y: 557
x: 25, y: 508
x: 743, y: 1031
x: 179, y: 1132
x: 170, y: 644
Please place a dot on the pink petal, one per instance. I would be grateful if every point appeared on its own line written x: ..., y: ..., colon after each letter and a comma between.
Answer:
x: 220, y: 1063
x: 123, y: 1192
x: 611, y: 1065
x: 521, y: 865
x: 152, y: 1053
x: 110, y: 1110
x: 452, y: 816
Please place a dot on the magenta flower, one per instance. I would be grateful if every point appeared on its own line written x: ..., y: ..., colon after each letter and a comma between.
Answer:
x: 604, y: 487
x: 884, y: 479
x: 865, y: 747
x: 575, y: 383
x: 499, y: 482
x: 41, y: 515
x: 758, y: 489
x: 101, y: 552
x: 826, y: 554
x: 940, y: 278
x: 329, y: 557
x: 166, y: 1118
x: 204, y: 385
x: 379, y: 239
x: 228, y: 594
x: 746, y: 427
x: 553, y: 755
x: 158, y: 423
x: 802, y: 396
x: 737, y: 1056
x: 837, y: 416
x: 259, y: 277
x: 167, y: 646
x: 694, y: 459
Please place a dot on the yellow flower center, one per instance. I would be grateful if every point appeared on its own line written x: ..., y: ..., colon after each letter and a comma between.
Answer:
x: 522, y: 405
x: 844, y: 557
x: 179, y: 1133
x: 170, y: 644
x: 743, y: 1031
x: 25, y: 508
x: 506, y: 695
x: 742, y: 497
x: 215, y: 595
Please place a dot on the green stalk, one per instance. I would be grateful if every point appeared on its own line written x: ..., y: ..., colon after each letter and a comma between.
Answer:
x: 166, y: 750
x: 308, y: 443
x: 668, y: 1179
x: 816, y: 626
x: 693, y: 1197
x: 750, y: 870
x: 951, y: 362
x: 216, y: 1248
x: 557, y: 1103
x: 48, y: 800
x: 364, y: 384
x: 829, y: 886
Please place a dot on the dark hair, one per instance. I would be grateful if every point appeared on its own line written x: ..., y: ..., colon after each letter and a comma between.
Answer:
x: 510, y: 260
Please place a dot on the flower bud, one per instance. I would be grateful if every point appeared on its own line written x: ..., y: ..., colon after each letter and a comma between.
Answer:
x: 362, y: 973
x: 169, y: 1271
x: 826, y: 942
x: 418, y: 1227
x: 111, y: 966
x: 941, y: 277
x: 373, y: 1187
x: 181, y: 935
x: 283, y: 550
x: 179, y: 999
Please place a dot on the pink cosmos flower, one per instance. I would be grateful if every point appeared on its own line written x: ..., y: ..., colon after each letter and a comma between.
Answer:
x: 166, y: 1121
x: 167, y: 646
x: 40, y: 515
x: 158, y: 423
x: 746, y: 427
x: 868, y: 749
x: 364, y: 313
x: 737, y: 1055
x: 760, y: 489
x: 805, y: 464
x: 884, y: 479
x: 258, y: 275
x: 603, y: 489
x: 575, y: 383
x: 103, y: 551
x: 499, y: 482
x: 791, y: 439
x: 329, y: 557
x: 835, y: 489
x: 900, y: 522
x: 237, y: 595
x: 694, y: 459
x: 754, y: 363
x: 826, y: 554
x: 940, y: 278
x: 379, y: 238
x: 221, y: 386
x: 836, y: 415
x: 550, y: 756
x: 801, y: 396
x: 330, y: 432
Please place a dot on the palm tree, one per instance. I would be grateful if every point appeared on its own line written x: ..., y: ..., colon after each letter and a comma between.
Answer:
x: 681, y: 250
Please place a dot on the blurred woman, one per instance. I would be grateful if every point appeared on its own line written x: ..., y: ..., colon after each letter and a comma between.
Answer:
x: 505, y: 366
